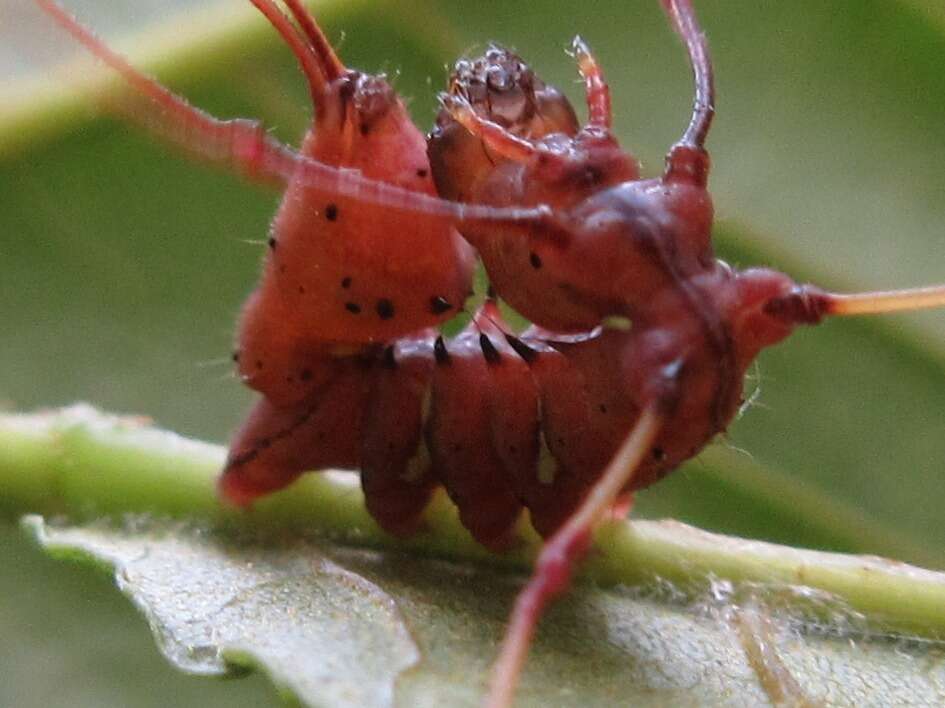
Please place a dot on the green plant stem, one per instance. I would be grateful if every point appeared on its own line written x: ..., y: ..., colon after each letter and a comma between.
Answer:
x: 86, y: 464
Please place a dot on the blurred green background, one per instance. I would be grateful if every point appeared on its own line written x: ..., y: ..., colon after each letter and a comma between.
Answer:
x: 123, y: 265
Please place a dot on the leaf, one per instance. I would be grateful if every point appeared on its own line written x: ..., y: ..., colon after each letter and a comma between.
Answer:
x: 123, y: 264
x: 323, y: 633
x: 343, y: 627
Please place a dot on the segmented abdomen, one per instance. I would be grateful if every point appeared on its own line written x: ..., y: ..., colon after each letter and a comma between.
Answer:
x: 503, y: 423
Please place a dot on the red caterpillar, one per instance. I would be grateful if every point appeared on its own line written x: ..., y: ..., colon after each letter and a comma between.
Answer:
x: 573, y: 238
x: 422, y: 411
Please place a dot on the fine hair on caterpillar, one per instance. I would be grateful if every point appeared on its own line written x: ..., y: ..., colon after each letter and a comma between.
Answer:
x: 565, y: 419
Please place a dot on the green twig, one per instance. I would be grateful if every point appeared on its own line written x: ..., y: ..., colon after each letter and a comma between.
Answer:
x: 85, y: 464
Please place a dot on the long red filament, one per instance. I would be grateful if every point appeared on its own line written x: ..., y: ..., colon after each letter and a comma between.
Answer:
x: 331, y: 66
x: 683, y: 17
x: 350, y: 183
x: 184, y: 118
x: 305, y: 54
x: 555, y: 564
x: 245, y: 144
x: 886, y: 301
